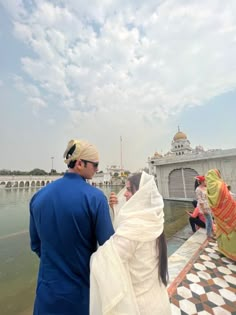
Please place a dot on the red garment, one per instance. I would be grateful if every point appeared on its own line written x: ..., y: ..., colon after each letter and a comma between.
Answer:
x: 197, y: 213
x: 200, y: 178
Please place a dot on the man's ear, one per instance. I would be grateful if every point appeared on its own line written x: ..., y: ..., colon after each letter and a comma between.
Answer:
x: 79, y: 164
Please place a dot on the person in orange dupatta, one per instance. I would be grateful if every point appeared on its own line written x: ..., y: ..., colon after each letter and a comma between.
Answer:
x: 223, y: 207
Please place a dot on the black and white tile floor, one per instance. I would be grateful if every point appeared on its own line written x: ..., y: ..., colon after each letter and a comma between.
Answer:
x: 208, y: 287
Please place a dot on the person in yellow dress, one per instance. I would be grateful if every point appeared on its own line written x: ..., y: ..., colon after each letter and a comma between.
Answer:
x: 223, y: 207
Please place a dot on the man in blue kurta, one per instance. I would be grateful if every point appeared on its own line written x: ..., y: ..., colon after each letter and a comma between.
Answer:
x: 68, y: 218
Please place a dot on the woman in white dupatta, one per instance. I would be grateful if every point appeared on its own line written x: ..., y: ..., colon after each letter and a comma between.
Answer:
x: 129, y: 272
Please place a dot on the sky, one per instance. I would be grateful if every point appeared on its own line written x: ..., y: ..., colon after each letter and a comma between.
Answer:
x: 107, y: 70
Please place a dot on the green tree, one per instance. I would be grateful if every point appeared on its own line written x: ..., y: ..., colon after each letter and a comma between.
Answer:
x: 5, y: 172
x: 37, y: 172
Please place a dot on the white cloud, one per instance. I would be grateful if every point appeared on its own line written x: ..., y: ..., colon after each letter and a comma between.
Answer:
x: 33, y: 94
x: 36, y: 103
x: 103, y: 60
x: 26, y: 88
x: 147, y: 57
x: 15, y: 8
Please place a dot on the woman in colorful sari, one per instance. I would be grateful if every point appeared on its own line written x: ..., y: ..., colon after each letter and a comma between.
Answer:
x: 224, y: 210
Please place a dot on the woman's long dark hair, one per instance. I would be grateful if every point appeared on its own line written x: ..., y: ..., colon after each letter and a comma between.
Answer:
x: 196, y: 184
x: 163, y: 259
x: 161, y: 240
x: 134, y: 182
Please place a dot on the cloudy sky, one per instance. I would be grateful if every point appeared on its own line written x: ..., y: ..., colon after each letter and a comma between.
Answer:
x: 104, y: 69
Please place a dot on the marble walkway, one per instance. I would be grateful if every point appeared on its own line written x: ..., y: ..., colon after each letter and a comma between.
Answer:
x: 202, y: 281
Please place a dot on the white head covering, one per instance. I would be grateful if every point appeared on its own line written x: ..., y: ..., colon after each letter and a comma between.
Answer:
x: 79, y: 149
x: 141, y: 218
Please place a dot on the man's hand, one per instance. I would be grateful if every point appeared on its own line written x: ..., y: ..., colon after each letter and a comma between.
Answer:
x: 113, y: 200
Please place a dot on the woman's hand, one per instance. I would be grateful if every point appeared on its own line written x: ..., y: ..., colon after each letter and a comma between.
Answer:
x: 113, y: 200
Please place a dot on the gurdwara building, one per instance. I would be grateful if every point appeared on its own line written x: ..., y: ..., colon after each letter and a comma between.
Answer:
x: 175, y: 171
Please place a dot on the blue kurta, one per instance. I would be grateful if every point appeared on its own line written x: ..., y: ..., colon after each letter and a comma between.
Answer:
x: 67, y: 219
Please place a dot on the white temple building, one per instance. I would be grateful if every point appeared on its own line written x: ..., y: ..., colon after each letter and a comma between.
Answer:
x: 180, y: 144
x: 175, y: 170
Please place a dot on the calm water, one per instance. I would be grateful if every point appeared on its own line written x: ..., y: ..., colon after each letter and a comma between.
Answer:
x: 18, y: 266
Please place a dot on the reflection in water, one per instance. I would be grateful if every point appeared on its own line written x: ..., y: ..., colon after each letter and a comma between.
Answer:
x: 19, y: 267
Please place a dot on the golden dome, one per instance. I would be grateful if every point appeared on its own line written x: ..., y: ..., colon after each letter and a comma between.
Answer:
x: 179, y: 136
x: 157, y: 155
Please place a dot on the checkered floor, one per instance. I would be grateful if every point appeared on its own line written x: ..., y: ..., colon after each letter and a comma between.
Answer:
x: 209, y: 287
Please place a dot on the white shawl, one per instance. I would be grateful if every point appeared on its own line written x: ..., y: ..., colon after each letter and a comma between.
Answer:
x: 111, y: 291
x: 141, y: 218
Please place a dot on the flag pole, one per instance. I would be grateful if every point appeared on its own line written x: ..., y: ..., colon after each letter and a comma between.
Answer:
x: 121, y: 158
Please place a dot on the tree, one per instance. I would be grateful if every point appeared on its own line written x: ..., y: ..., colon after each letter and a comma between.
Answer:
x: 53, y: 172
x: 5, y: 172
x: 37, y: 172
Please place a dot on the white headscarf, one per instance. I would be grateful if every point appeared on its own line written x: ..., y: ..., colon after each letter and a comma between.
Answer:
x: 141, y: 218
